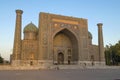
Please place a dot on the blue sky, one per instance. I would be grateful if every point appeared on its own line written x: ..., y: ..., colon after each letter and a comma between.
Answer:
x: 104, y: 11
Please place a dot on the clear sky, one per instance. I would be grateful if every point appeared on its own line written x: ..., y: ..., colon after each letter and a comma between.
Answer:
x: 103, y: 11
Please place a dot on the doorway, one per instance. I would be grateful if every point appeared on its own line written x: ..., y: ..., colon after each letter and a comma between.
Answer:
x: 31, y: 63
x: 60, y: 58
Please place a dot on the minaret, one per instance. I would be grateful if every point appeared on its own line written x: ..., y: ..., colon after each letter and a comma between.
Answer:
x: 17, y: 36
x: 100, y: 43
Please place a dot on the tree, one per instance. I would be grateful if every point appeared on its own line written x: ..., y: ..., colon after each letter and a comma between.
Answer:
x: 112, y: 54
x: 1, y: 60
x: 107, y: 57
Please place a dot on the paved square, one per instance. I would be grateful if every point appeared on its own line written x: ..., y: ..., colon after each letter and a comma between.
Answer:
x: 75, y: 74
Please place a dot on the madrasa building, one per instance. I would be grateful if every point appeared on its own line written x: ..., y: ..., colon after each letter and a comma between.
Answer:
x: 58, y: 40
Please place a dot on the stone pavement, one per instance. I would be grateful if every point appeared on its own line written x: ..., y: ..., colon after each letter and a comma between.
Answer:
x: 67, y: 74
x: 9, y: 67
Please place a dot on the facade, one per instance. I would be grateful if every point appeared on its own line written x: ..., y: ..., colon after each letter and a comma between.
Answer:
x: 57, y: 40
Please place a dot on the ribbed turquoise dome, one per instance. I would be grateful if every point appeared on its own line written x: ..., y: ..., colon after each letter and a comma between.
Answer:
x: 89, y: 35
x: 30, y: 28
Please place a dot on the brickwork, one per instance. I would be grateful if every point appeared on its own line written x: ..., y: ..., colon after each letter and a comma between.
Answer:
x: 57, y: 40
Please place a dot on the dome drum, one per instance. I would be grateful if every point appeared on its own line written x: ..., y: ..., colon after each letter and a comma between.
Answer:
x: 30, y: 32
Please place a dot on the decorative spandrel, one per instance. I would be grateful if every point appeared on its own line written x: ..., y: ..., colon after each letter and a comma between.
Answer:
x: 75, y: 27
x: 56, y: 25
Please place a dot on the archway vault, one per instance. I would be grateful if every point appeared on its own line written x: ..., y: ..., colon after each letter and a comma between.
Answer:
x: 65, y: 41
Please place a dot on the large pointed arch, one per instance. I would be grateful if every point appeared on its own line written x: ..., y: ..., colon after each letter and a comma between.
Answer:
x: 73, y: 41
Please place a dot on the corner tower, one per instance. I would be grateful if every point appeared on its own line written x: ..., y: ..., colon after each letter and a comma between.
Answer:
x: 100, y: 43
x: 17, y: 38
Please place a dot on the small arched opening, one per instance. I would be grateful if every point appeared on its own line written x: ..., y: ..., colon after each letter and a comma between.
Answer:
x: 60, y: 58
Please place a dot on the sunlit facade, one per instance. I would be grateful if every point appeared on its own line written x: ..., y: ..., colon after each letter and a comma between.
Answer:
x: 58, y: 40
